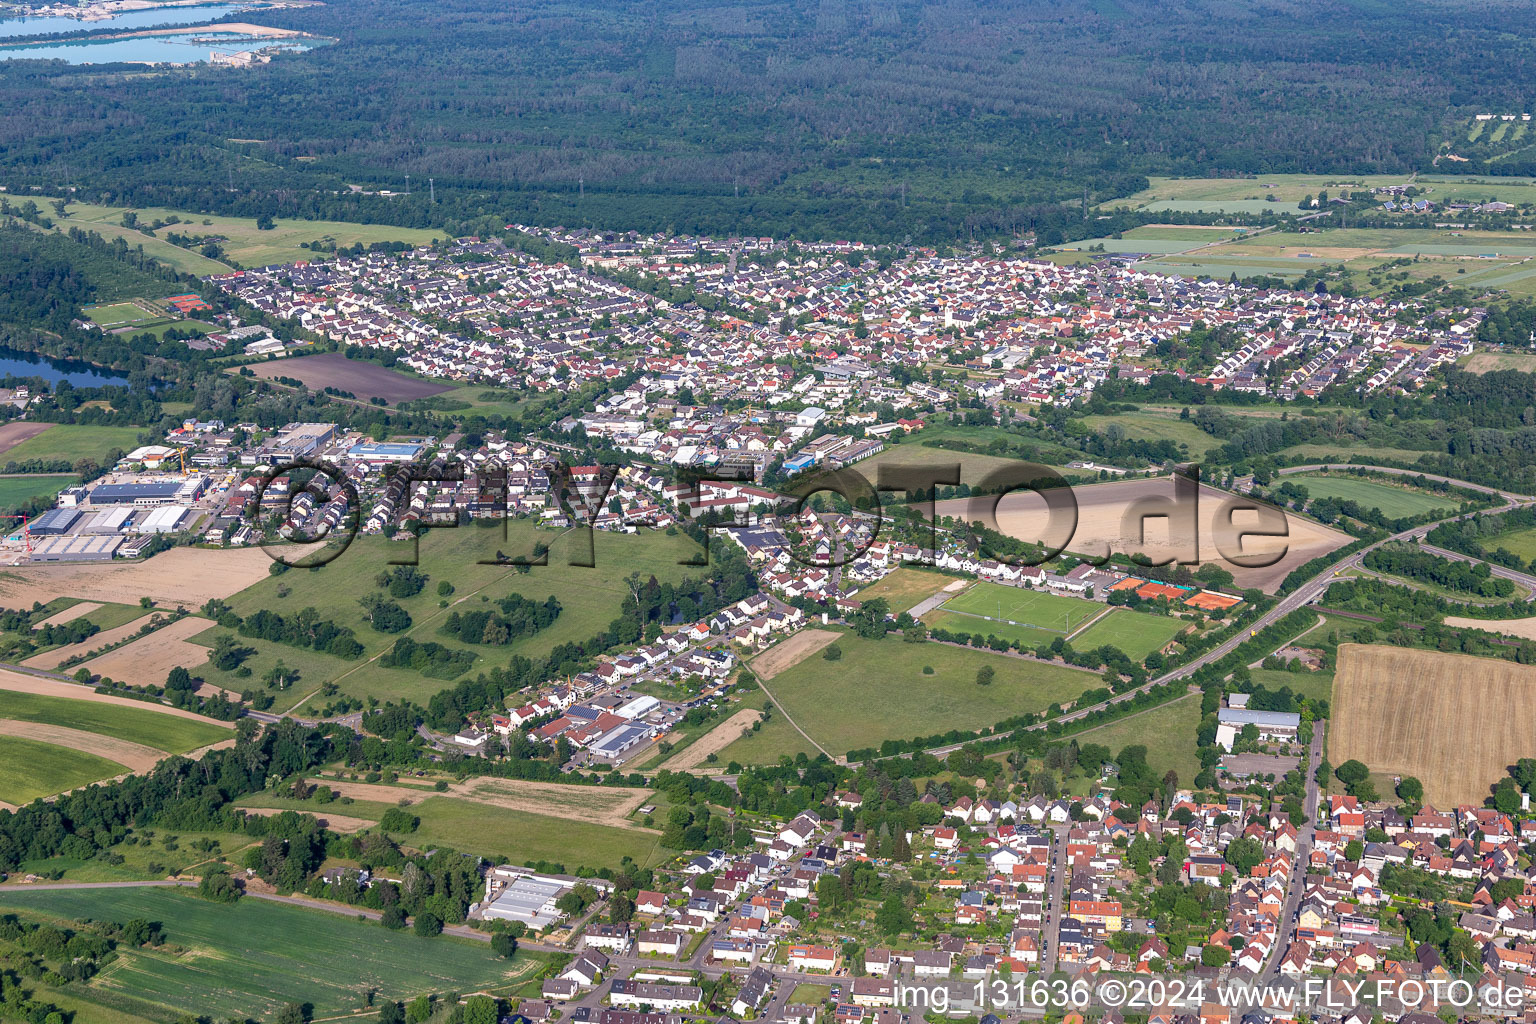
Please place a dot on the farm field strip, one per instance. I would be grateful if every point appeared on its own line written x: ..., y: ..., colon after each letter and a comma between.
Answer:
x: 137, y: 722
x: 250, y: 958
x: 148, y: 660
x: 134, y: 756
x: 32, y: 768
x: 54, y: 658
x: 1423, y: 713
x: 185, y: 577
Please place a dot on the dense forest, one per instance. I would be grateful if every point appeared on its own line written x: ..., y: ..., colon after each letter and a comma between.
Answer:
x: 852, y: 118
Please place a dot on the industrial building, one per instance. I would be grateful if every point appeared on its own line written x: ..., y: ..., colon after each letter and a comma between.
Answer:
x: 529, y: 899
x: 381, y: 451
x: 165, y: 519
x: 111, y: 520
x: 76, y: 549
x: 1271, y: 725
x: 54, y: 522
x: 149, y: 493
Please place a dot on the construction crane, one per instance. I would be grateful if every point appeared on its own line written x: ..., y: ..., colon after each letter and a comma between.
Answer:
x: 26, y: 531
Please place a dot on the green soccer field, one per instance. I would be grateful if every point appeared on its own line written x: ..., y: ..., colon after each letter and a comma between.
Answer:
x: 1137, y: 634
x: 118, y: 314
x: 1036, y: 608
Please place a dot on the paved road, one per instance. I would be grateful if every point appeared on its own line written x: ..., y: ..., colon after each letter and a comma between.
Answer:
x: 1523, y: 579
x: 1055, y: 909
x: 1285, y: 929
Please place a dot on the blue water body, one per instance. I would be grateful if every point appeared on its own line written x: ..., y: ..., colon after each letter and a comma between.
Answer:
x: 20, y: 28
x: 14, y: 363
x: 147, y: 49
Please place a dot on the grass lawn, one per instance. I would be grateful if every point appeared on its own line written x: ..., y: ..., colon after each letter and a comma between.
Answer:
x: 1038, y: 608
x: 248, y: 959
x: 243, y: 241
x: 82, y: 1011
x: 1286, y: 188
x: 1517, y: 542
x: 185, y: 326
x: 913, y: 452
x: 877, y: 691
x: 118, y: 314
x: 1168, y: 733
x: 68, y: 442
x: 905, y: 587
x: 1138, y: 634
x: 1352, y: 452
x: 110, y: 616
x: 16, y: 491
x: 171, y: 733
x: 1312, y: 685
x: 1151, y: 426
x: 168, y: 852
x: 589, y: 598
x: 29, y: 769
x: 810, y: 994
x: 519, y: 837
x: 1394, y: 501
x: 776, y: 739
x: 955, y: 622
x: 500, y: 833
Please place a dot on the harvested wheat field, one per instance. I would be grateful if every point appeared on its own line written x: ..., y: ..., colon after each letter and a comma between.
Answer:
x: 1523, y: 628
x: 69, y: 614
x: 21, y: 682
x: 712, y: 742
x: 180, y: 576
x: 598, y: 805
x: 134, y: 756
x: 56, y: 657
x: 791, y: 652
x: 1107, y: 517
x: 1455, y: 722
x: 151, y: 658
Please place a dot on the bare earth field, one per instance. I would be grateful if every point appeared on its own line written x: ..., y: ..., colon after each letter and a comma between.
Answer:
x: 150, y: 659
x: 1422, y: 713
x: 1523, y: 628
x: 21, y: 682
x: 52, y: 659
x: 69, y: 614
x: 599, y: 806
x: 134, y: 756
x: 180, y: 576
x: 792, y: 651
x: 1478, y: 362
x: 17, y: 431
x: 712, y: 742
x: 362, y: 378
x: 1102, y: 526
